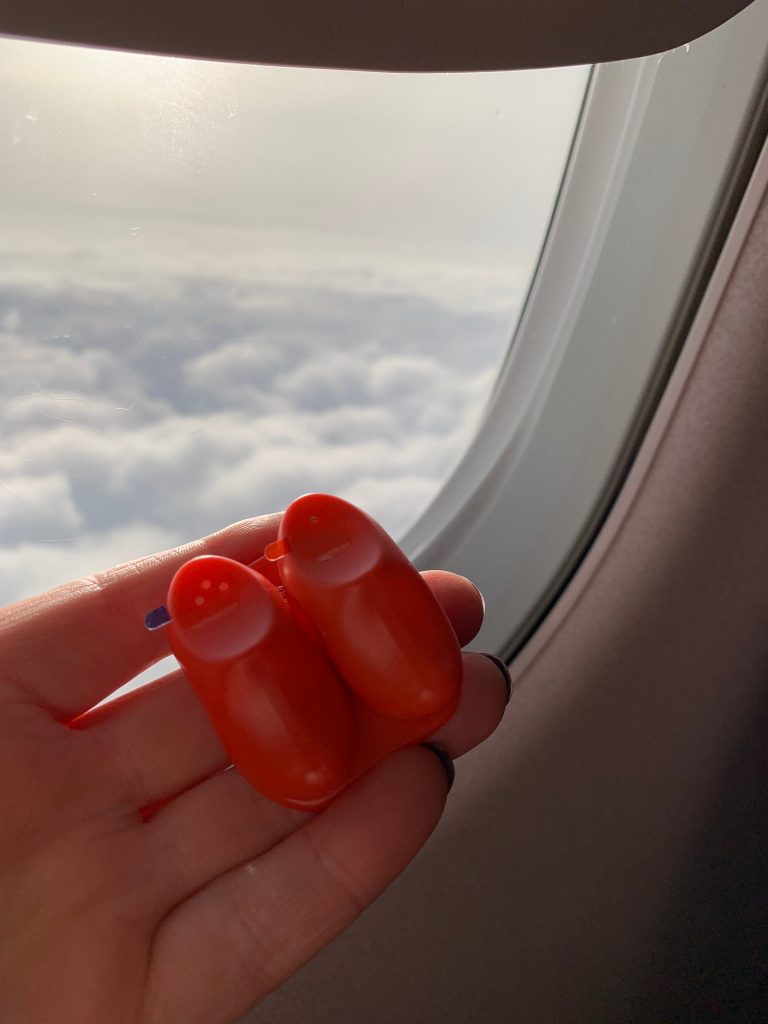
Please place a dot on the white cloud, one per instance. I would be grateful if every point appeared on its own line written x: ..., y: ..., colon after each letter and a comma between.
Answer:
x: 37, y: 507
x: 326, y: 380
x: 31, y: 568
x: 395, y: 501
x: 240, y: 370
x: 23, y: 358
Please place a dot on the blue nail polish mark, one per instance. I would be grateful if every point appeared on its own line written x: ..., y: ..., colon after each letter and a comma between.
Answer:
x: 157, y: 618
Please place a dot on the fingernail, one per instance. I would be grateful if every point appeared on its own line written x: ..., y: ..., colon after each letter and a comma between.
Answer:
x: 157, y: 618
x: 504, y: 671
x: 445, y: 761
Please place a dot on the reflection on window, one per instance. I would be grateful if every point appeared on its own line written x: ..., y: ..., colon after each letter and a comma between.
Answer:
x: 222, y: 286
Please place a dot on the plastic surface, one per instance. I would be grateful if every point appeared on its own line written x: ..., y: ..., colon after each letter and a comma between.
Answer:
x: 319, y: 659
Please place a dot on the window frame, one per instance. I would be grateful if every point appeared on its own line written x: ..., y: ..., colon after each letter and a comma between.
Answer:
x: 588, y: 360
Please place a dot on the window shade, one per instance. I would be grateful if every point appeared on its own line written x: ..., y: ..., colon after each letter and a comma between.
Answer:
x: 398, y: 35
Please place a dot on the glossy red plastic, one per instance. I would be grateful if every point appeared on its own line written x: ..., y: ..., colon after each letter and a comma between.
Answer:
x: 320, y: 659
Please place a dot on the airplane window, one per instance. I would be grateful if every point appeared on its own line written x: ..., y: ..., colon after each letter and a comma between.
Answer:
x: 222, y: 286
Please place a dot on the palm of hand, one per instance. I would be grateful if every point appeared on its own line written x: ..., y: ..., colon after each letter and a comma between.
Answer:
x: 194, y: 912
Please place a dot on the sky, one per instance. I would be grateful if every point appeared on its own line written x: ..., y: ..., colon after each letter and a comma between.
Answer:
x: 223, y: 286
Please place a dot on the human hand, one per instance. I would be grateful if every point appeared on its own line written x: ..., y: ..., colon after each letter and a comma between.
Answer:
x: 195, y: 913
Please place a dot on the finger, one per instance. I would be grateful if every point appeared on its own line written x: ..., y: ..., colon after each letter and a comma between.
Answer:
x: 154, y: 743
x: 223, y: 821
x: 213, y: 827
x: 461, y: 600
x: 221, y: 951
x: 484, y: 697
x: 159, y: 741
x: 73, y: 646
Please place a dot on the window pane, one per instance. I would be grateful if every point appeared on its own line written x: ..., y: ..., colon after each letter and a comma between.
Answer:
x: 222, y: 286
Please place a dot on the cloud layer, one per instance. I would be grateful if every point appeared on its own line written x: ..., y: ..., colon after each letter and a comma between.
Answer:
x: 135, y: 417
